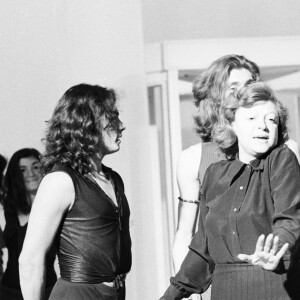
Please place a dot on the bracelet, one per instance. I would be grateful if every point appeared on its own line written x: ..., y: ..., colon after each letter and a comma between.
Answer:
x: 189, y: 201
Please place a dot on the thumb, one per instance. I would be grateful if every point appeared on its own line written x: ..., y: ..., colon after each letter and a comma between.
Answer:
x: 243, y: 257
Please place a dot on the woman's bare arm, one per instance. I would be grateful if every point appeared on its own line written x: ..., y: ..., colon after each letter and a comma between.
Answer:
x: 189, y: 187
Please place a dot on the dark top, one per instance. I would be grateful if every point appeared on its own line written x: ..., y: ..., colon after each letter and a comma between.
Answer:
x: 210, y: 154
x: 239, y: 203
x: 14, y: 236
x: 1, y: 252
x: 94, y: 243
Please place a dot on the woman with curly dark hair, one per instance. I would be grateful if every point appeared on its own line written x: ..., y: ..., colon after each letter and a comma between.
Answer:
x: 21, y: 182
x: 250, y: 203
x: 80, y: 204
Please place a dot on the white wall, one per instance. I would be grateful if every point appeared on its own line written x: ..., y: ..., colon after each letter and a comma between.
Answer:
x: 198, y: 19
x: 48, y: 46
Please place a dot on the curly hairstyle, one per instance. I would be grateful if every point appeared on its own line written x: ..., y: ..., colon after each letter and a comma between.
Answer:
x: 209, y: 89
x: 247, y: 96
x: 15, y: 193
x: 74, y: 132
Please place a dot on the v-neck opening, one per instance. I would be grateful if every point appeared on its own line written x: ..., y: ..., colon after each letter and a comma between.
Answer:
x: 93, y: 181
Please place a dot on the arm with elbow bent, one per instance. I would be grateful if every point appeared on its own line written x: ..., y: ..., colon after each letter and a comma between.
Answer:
x: 189, y: 187
x: 276, y: 247
x: 55, y: 195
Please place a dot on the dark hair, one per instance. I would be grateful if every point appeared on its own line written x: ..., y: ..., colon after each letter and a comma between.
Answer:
x: 251, y: 93
x: 209, y: 90
x: 15, y: 194
x: 2, y: 168
x: 74, y: 131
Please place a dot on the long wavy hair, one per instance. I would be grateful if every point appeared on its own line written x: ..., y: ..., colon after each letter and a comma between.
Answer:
x: 74, y: 131
x: 209, y: 90
x: 15, y: 193
x: 247, y: 96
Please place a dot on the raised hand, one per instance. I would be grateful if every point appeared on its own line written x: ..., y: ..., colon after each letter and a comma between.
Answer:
x: 266, y: 254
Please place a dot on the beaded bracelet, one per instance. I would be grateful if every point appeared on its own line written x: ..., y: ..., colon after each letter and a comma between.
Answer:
x: 189, y: 201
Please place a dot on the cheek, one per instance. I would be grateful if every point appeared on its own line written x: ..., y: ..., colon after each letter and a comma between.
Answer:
x: 38, y: 175
x: 275, y: 135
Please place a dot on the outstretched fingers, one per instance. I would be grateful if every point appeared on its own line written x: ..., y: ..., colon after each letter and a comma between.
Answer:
x: 281, y: 252
x: 245, y: 257
x: 274, y: 248
x: 260, y: 243
x: 269, y: 243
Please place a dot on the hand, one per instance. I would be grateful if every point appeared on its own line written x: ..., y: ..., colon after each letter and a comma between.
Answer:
x: 265, y: 255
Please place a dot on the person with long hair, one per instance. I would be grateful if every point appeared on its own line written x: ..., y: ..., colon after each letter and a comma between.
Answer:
x: 250, y: 203
x: 22, y: 179
x: 80, y: 205
x: 226, y: 74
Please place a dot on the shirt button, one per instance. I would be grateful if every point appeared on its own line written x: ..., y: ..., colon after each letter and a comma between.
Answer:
x: 235, y: 209
x: 241, y: 187
x: 233, y: 232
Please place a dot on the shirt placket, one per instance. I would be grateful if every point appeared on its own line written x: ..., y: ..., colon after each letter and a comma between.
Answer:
x: 239, y: 195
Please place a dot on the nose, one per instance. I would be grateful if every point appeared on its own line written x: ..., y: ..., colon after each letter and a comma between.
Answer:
x: 262, y: 124
x: 122, y: 126
x: 29, y: 173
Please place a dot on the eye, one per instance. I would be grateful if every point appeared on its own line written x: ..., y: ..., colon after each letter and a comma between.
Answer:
x: 273, y: 120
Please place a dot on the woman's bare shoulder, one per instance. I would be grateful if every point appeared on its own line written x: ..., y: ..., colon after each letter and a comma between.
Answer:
x: 188, y: 163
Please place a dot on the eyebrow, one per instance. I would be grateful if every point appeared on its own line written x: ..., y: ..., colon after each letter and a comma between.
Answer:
x: 233, y: 83
x: 34, y: 163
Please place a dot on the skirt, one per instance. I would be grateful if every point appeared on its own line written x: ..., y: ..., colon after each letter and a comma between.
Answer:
x: 65, y: 290
x: 246, y: 282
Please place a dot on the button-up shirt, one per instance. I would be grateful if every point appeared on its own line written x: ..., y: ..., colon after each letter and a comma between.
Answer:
x: 239, y: 203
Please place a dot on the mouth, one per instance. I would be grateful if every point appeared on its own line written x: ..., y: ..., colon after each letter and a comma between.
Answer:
x: 262, y: 137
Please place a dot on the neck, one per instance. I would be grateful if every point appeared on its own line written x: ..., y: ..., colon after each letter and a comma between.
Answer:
x: 97, y: 163
x: 31, y: 196
x: 245, y: 158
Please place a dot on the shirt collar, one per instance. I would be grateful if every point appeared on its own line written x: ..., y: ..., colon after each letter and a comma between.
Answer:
x: 237, y: 165
x: 256, y: 164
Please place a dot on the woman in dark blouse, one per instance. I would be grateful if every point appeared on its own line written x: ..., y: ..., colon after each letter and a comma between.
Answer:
x: 250, y: 204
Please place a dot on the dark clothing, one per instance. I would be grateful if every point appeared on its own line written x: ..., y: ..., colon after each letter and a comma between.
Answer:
x: 94, y: 243
x: 14, y: 236
x: 239, y: 203
x: 1, y: 253
x: 7, y: 293
x: 80, y: 291
x: 210, y: 154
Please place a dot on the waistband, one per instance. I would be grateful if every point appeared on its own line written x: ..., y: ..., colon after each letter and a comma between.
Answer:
x: 114, y: 281
x: 233, y: 267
